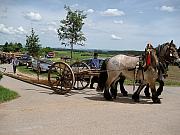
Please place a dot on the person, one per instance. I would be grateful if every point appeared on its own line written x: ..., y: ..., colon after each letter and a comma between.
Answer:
x: 94, y: 64
x: 14, y: 63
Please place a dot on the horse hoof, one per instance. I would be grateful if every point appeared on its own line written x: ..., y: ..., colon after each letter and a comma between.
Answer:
x: 135, y: 98
x: 148, y: 96
x: 158, y: 94
x: 114, y: 97
x: 98, y: 89
x: 125, y: 94
x: 107, y: 95
x: 157, y: 101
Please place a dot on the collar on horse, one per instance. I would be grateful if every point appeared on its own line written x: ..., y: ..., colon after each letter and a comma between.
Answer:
x: 143, y: 63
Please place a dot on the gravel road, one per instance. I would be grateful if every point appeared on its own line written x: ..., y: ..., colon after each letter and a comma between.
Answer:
x: 38, y: 111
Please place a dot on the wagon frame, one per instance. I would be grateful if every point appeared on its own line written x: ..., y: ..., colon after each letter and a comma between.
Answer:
x: 62, y: 77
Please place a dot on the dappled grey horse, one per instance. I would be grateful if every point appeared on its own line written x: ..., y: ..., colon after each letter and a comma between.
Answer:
x: 121, y: 66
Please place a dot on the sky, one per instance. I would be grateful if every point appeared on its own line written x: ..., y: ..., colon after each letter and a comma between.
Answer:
x: 110, y: 24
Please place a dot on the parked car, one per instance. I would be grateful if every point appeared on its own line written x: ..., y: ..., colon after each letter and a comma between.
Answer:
x: 41, y: 65
x: 24, y: 59
x: 29, y: 64
x: 51, y: 55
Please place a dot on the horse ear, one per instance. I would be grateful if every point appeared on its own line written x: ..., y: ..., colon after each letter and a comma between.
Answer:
x: 171, y: 42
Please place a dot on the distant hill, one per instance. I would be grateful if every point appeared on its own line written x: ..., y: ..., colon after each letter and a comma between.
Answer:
x: 111, y: 52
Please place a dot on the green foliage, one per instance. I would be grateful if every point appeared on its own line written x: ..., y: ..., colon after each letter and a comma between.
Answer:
x: 32, y: 44
x: 6, y: 94
x: 25, y: 70
x: 70, y: 31
x: 12, y: 47
x: 44, y: 51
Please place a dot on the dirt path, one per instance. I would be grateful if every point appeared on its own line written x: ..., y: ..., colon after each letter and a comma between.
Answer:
x: 40, y: 112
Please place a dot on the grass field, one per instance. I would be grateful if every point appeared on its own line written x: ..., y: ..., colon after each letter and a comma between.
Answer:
x: 6, y: 94
x: 172, y: 79
x: 77, y: 56
x: 173, y: 76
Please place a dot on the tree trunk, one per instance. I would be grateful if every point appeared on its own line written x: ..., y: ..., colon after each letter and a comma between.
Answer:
x: 71, y: 50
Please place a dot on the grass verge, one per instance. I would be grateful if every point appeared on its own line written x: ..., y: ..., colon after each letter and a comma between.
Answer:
x: 29, y: 71
x: 7, y: 95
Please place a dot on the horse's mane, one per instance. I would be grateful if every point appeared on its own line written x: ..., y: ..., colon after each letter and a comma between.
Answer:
x: 159, y: 48
x: 165, y: 44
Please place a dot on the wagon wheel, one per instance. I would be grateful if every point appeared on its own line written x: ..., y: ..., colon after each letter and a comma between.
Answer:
x: 82, y: 79
x: 61, y: 77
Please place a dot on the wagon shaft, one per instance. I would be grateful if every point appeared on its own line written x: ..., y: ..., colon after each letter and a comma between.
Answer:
x: 28, y: 79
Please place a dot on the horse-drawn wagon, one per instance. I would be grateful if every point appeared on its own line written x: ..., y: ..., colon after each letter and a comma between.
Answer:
x: 62, y: 77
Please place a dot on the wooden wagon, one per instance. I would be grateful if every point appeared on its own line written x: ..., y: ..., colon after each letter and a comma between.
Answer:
x: 62, y: 78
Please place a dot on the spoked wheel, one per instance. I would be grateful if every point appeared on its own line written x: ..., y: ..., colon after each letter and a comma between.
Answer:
x: 61, y: 77
x: 82, y: 79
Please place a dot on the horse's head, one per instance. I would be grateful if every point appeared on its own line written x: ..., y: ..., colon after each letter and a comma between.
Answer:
x: 173, y: 52
x: 169, y: 52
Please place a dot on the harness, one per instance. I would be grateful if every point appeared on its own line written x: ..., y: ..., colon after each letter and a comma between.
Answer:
x: 138, y: 67
x: 142, y: 65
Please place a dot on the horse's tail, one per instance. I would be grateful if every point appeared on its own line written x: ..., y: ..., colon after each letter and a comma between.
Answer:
x: 103, y: 76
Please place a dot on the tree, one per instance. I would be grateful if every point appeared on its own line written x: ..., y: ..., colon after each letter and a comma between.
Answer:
x: 32, y: 44
x: 12, y: 47
x: 70, y: 28
x: 5, y: 47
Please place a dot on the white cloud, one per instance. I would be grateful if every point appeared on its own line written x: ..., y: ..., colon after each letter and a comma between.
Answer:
x: 167, y: 8
x: 49, y: 29
x: 140, y: 12
x: 52, y: 29
x: 6, y: 30
x: 90, y: 11
x: 118, y: 21
x: 33, y: 16
x: 53, y: 23
x: 114, y: 37
x: 10, y: 30
x: 74, y: 5
x: 21, y: 30
x: 113, y: 12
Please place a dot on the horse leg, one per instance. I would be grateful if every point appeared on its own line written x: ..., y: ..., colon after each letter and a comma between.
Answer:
x: 160, y: 89
x: 108, y: 94
x: 146, y: 91
x: 114, y: 90
x: 135, y: 96
x: 155, y: 98
x: 121, y: 82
